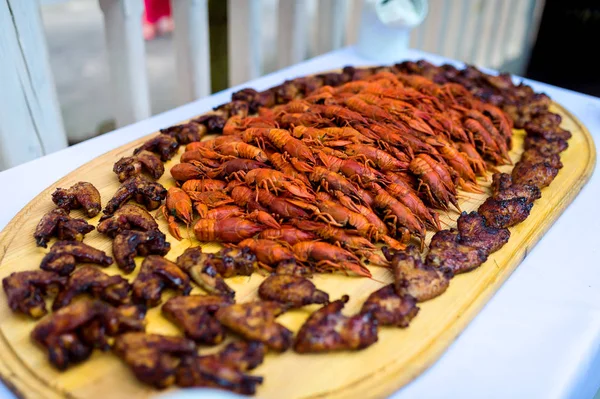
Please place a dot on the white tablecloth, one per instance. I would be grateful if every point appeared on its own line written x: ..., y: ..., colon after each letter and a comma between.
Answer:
x: 538, y: 337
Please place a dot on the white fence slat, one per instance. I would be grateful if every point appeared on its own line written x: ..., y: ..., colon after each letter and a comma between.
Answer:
x: 245, y: 41
x: 127, y: 60
x: 30, y: 120
x: 331, y: 17
x: 292, y: 32
x: 353, y: 21
x: 192, y: 49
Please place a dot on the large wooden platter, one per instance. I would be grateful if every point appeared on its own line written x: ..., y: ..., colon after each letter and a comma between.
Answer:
x: 398, y: 357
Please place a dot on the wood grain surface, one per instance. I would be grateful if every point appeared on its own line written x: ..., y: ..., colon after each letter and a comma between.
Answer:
x: 398, y: 357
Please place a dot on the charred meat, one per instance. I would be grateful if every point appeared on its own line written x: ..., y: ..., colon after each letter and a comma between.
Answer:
x: 71, y: 333
x: 389, y: 308
x: 88, y: 279
x: 413, y: 277
x: 256, y: 321
x: 141, y: 189
x: 163, y: 145
x: 446, y: 250
x: 57, y: 223
x: 25, y: 291
x: 143, y: 161
x: 128, y: 244
x: 328, y: 330
x: 194, y: 314
x: 153, y: 358
x: 295, y: 291
x: 156, y: 274
x: 80, y: 195
x: 127, y: 217
x: 64, y: 255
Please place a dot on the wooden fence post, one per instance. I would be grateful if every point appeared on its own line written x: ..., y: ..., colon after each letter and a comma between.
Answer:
x: 30, y: 120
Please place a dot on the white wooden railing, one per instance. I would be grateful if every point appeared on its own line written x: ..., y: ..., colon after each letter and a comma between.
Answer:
x: 485, y: 32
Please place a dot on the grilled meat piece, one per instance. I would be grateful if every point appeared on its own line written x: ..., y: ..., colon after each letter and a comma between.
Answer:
x: 243, y: 355
x: 475, y: 233
x: 80, y: 195
x: 128, y: 244
x: 134, y: 165
x: 504, y: 189
x: 389, y: 308
x: 547, y: 125
x: 141, y: 189
x: 224, y: 369
x: 295, y: 291
x: 533, y: 157
x: 412, y: 277
x: 256, y: 321
x: 64, y: 255
x: 71, y: 333
x: 545, y: 147
x: 446, y: 250
x: 156, y: 274
x: 293, y: 268
x: 112, y: 289
x: 163, y: 145
x: 186, y: 133
x: 539, y: 175
x: 505, y: 213
x: 328, y: 330
x: 25, y: 290
x: 127, y: 217
x: 194, y: 314
x: 153, y: 358
x: 203, y: 270
x: 57, y: 223
x: 214, y: 123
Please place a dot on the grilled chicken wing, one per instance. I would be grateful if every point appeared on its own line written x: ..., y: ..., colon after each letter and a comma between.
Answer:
x: 194, y: 314
x: 203, y: 270
x: 128, y: 244
x: 57, y: 223
x: 128, y: 217
x: 163, y: 145
x: 328, y: 329
x: 155, y: 275
x: 112, y: 289
x: 446, y: 250
x: 71, y: 333
x: 505, y: 213
x: 136, y: 164
x: 295, y: 291
x: 186, y: 133
x: 64, y: 255
x: 80, y: 195
x: 141, y: 189
x: 389, y: 308
x: 475, y: 233
x: 256, y: 321
x: 153, y: 358
x: 224, y: 369
x: 25, y: 290
x: 412, y: 277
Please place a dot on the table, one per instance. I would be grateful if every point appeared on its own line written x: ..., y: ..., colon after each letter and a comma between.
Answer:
x: 538, y: 337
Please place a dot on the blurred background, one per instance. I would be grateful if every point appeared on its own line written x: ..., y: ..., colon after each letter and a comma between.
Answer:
x: 546, y: 40
x: 74, y: 32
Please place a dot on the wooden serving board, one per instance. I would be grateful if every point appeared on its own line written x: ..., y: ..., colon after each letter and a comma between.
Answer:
x: 398, y: 357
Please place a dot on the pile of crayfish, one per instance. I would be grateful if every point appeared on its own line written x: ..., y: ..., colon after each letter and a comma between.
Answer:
x: 337, y: 169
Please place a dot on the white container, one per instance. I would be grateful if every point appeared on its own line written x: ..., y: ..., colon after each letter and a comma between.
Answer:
x: 385, y: 28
